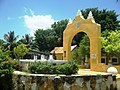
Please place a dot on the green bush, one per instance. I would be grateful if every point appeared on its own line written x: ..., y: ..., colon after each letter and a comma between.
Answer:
x: 6, y: 63
x: 50, y: 68
x: 6, y: 70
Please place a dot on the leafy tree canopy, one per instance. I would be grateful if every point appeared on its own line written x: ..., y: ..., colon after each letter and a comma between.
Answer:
x: 21, y: 50
x: 111, y: 43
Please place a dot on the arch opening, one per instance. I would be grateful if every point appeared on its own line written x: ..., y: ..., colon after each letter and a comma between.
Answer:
x: 81, y: 54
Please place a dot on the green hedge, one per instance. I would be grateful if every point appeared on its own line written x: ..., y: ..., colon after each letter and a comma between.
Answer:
x: 50, y: 68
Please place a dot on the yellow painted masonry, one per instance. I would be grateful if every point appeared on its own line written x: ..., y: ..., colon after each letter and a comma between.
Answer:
x: 92, y: 29
x: 59, y: 56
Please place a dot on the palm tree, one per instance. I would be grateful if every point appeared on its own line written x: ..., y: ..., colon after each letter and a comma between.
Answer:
x: 10, y: 39
x: 27, y: 39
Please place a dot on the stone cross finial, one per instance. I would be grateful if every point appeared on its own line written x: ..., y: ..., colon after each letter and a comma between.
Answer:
x: 90, y: 15
x: 70, y: 21
x: 79, y: 13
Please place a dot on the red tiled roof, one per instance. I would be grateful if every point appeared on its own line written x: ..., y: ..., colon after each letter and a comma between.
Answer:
x: 60, y: 49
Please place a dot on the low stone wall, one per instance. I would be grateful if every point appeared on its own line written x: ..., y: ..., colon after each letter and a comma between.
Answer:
x: 64, y: 82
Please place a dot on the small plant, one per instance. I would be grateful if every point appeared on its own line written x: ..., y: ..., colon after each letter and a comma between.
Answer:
x: 50, y: 68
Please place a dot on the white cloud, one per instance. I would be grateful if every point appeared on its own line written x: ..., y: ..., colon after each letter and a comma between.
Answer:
x: 35, y: 22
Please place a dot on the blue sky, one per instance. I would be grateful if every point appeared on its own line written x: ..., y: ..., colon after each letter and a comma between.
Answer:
x: 25, y: 16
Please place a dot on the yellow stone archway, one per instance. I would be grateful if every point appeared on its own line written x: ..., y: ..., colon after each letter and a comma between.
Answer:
x: 88, y: 26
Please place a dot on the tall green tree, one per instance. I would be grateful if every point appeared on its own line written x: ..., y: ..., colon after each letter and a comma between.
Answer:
x: 58, y: 28
x: 11, y: 41
x: 44, y: 39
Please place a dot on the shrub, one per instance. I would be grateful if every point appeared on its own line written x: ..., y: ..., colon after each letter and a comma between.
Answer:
x: 50, y: 68
x: 6, y: 70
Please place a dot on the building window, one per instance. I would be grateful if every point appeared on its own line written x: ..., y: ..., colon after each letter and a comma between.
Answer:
x: 114, y: 60
x: 103, y: 59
